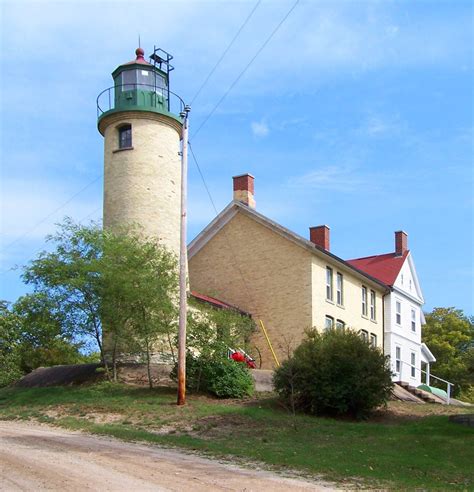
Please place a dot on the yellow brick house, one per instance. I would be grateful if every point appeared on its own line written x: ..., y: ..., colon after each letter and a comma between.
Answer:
x: 290, y: 283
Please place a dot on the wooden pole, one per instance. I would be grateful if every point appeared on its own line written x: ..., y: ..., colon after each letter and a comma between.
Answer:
x: 183, y: 264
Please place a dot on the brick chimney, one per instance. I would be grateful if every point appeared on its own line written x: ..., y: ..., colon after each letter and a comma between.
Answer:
x: 244, y: 189
x: 319, y: 235
x: 401, y: 243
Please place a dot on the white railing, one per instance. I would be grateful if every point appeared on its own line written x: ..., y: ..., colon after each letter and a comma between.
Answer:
x: 449, y: 385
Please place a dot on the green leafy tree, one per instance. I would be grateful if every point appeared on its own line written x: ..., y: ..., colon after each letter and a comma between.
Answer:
x: 45, y: 335
x: 69, y: 277
x: 10, y: 363
x: 449, y: 334
x: 116, y: 287
x: 212, y: 331
x: 140, y: 295
x: 210, y: 334
x: 33, y: 333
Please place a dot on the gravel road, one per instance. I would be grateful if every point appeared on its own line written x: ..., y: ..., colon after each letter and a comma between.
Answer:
x: 35, y: 457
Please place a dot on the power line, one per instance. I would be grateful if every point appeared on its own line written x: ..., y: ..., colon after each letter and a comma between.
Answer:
x: 229, y: 46
x: 44, y: 219
x: 229, y: 243
x: 3, y: 272
x: 241, y: 74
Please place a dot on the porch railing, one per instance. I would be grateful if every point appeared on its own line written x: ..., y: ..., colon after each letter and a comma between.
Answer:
x: 428, y: 376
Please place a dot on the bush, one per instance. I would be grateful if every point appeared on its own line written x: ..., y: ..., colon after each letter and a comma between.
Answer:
x: 222, y: 377
x: 334, y: 373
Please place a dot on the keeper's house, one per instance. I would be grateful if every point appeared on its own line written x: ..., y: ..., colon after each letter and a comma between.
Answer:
x: 289, y: 282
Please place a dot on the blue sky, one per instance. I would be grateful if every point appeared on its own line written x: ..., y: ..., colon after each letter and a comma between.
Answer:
x: 358, y: 115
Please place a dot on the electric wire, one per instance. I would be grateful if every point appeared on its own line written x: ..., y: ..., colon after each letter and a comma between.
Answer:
x: 242, y: 73
x: 14, y: 267
x: 229, y: 243
x: 224, y: 53
x: 44, y: 219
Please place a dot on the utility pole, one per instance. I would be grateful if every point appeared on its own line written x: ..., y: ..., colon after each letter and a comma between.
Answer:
x: 183, y: 261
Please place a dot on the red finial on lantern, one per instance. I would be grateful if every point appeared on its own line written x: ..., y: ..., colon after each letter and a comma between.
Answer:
x: 140, y: 53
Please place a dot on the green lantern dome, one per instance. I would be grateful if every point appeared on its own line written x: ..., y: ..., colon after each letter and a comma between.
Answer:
x: 140, y: 86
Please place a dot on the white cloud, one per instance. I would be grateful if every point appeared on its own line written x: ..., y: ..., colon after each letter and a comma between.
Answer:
x: 344, y: 179
x: 260, y: 129
x: 377, y: 125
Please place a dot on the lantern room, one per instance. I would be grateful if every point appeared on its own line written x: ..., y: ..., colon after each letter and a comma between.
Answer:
x: 140, y: 85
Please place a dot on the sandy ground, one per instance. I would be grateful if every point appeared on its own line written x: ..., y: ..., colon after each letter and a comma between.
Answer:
x: 34, y: 457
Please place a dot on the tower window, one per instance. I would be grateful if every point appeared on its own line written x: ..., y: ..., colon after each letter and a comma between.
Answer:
x: 125, y: 136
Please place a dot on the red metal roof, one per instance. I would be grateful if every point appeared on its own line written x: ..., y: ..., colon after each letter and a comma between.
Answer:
x: 215, y: 302
x: 383, y: 267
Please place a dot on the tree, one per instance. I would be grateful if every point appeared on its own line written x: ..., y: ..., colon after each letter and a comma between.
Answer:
x: 45, y: 335
x: 449, y: 334
x: 211, y: 332
x: 10, y: 369
x: 33, y: 333
x: 69, y: 277
x: 141, y: 277
x: 117, y: 287
x: 334, y: 373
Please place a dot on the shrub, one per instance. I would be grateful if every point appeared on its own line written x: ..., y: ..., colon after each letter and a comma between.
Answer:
x: 222, y: 377
x: 334, y: 373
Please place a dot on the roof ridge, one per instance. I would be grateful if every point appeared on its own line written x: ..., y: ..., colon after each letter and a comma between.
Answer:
x: 371, y: 256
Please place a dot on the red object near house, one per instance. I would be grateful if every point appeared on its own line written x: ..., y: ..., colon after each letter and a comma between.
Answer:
x: 238, y: 357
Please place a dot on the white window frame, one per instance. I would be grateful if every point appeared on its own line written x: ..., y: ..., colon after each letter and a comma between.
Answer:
x: 373, y: 301
x: 373, y: 340
x: 364, y: 300
x: 329, y: 284
x: 340, y: 289
x: 398, y: 312
x: 398, y: 359
x: 413, y: 364
x: 329, y: 319
x: 413, y: 320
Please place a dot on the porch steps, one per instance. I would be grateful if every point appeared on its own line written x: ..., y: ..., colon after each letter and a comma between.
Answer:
x: 423, y: 395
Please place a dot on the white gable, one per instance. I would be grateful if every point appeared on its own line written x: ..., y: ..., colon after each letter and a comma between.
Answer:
x: 407, y: 280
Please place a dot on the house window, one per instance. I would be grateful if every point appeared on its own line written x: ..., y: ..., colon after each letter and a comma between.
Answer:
x: 125, y: 136
x: 340, y: 325
x: 372, y: 305
x: 329, y: 323
x: 329, y: 284
x: 364, y: 335
x: 364, y: 301
x: 398, y: 359
x: 413, y: 320
x: 373, y: 340
x: 339, y: 289
x: 413, y: 364
x: 398, y: 312
x: 410, y: 285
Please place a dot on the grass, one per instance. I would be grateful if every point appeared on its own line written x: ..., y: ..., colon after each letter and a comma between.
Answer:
x: 407, y: 446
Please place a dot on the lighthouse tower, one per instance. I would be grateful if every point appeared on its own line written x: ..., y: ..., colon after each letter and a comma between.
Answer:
x: 138, y: 118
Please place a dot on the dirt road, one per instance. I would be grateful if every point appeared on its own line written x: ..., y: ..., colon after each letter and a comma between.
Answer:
x: 34, y: 457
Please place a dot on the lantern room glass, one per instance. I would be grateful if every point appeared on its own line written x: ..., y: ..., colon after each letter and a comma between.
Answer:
x: 143, y: 79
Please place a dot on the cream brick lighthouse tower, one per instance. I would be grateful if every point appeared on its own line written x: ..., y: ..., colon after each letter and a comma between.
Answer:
x: 142, y: 171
